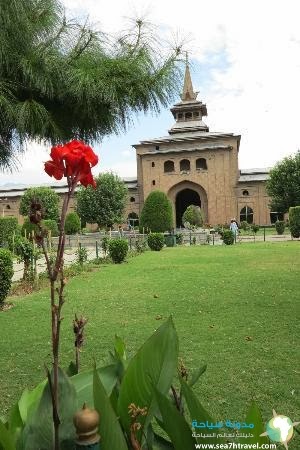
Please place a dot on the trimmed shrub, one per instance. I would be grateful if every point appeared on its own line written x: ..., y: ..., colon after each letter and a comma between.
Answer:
x: 280, y: 226
x: 228, y: 237
x: 156, y: 241
x: 118, y: 249
x: 254, y: 228
x: 193, y: 215
x: 6, y: 273
x: 72, y: 224
x: 8, y: 227
x: 52, y: 226
x: 157, y: 213
x: 294, y: 219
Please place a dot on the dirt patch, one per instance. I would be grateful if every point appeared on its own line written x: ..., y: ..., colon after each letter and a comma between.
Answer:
x: 6, y: 307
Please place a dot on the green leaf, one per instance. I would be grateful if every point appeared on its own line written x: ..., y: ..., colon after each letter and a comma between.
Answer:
x: 153, y: 366
x: 196, y: 375
x: 38, y: 432
x: 112, y: 437
x: 83, y: 383
x: 197, y: 412
x: 161, y: 443
x: 29, y: 401
x: 120, y: 347
x: 175, y: 424
x: 15, y: 423
x: 72, y: 369
x: 6, y: 439
x: 254, y: 416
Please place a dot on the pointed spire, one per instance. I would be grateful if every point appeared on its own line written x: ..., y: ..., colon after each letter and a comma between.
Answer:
x: 188, y: 93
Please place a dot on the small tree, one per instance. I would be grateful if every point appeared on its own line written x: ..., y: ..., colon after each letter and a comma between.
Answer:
x: 193, y: 215
x: 157, y: 214
x: 46, y: 197
x: 294, y: 219
x: 72, y: 224
x: 105, y: 204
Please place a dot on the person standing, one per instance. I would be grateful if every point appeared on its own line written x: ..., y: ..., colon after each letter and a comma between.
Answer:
x: 234, y: 228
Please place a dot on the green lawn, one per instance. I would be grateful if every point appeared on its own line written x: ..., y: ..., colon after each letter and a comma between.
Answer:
x: 235, y: 308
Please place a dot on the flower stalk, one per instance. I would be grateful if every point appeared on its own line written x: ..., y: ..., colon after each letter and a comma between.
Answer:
x: 74, y: 161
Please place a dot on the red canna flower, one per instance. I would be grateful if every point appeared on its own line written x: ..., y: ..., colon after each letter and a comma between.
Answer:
x: 74, y: 159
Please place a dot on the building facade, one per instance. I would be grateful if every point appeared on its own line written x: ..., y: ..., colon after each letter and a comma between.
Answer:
x: 192, y: 165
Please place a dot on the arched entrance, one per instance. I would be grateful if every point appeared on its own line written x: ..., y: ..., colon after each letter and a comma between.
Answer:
x: 187, y: 193
x: 185, y: 198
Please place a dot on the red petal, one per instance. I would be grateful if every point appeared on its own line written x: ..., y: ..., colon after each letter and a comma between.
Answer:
x: 54, y: 170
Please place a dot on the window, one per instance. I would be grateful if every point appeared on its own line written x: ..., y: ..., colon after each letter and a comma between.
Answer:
x: 179, y: 116
x: 133, y: 219
x: 274, y: 216
x: 246, y: 192
x: 153, y: 164
x: 169, y: 166
x: 196, y: 114
x: 246, y: 214
x: 157, y: 147
x: 185, y: 165
x: 188, y: 115
x: 7, y: 206
x: 132, y: 199
x: 153, y: 182
x: 201, y: 164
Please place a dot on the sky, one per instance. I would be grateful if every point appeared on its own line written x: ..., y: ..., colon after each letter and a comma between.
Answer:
x: 244, y: 60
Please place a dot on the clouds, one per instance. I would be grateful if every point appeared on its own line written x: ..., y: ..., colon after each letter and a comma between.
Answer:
x: 245, y: 62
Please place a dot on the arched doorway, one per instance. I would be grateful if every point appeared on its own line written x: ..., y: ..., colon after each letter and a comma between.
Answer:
x: 185, y: 198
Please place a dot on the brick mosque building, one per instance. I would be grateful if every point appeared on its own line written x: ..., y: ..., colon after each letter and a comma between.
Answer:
x: 192, y: 165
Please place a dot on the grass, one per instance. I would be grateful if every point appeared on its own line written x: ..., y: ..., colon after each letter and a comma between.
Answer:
x: 235, y: 308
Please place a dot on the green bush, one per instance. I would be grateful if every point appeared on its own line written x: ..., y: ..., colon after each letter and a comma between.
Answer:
x: 28, y: 227
x: 156, y: 241
x: 254, y: 228
x: 280, y: 226
x: 294, y: 219
x: 157, y: 213
x: 228, y: 237
x: 193, y: 215
x: 179, y: 238
x: 8, y: 228
x: 51, y: 225
x: 81, y: 255
x: 245, y: 225
x: 72, y: 224
x: 26, y: 252
x: 6, y: 273
x: 118, y: 249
